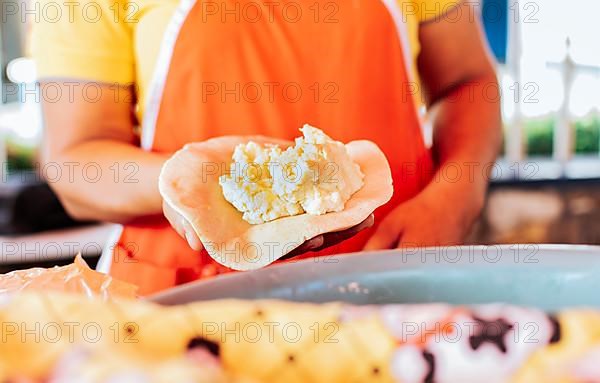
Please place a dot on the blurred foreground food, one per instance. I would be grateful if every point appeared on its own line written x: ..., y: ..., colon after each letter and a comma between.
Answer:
x: 74, y: 278
x: 57, y: 337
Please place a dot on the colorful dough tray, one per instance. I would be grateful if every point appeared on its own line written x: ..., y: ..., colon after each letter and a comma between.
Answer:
x: 518, y: 314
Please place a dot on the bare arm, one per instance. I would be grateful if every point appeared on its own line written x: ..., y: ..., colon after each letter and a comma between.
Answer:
x: 104, y: 174
x: 460, y: 88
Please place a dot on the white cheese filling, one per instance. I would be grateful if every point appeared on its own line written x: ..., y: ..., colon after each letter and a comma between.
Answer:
x: 315, y: 176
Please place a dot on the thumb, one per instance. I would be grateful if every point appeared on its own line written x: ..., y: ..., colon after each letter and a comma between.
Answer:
x: 386, y: 235
x: 190, y: 235
x: 182, y: 226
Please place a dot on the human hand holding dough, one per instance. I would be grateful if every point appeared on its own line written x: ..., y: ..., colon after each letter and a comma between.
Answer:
x: 185, y: 229
x: 194, y: 201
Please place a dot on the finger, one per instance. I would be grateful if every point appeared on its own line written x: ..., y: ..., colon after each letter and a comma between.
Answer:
x: 336, y: 237
x: 308, y: 245
x: 366, y: 223
x: 324, y: 241
x: 412, y: 238
x: 313, y: 243
x: 190, y: 235
x: 173, y: 218
x: 182, y: 227
x: 409, y: 241
x: 386, y: 236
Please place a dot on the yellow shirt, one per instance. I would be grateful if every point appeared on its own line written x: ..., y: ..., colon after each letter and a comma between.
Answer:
x: 118, y: 41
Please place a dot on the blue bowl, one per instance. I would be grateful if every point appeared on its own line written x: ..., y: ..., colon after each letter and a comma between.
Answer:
x: 549, y: 277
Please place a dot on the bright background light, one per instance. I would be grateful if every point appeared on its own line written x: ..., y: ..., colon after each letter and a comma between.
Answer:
x: 545, y: 31
x: 21, y: 122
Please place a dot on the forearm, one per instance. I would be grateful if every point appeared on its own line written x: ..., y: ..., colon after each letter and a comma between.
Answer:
x: 459, y: 86
x: 108, y: 180
x: 467, y: 135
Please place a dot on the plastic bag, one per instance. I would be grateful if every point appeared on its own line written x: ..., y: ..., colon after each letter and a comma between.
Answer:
x: 77, y: 277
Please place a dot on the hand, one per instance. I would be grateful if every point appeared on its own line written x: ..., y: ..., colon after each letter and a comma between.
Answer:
x: 185, y: 230
x: 182, y: 226
x: 326, y: 240
x: 440, y: 215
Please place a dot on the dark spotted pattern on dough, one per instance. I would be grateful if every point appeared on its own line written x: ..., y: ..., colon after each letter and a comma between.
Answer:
x: 430, y: 359
x: 210, y: 346
x: 490, y: 332
x: 556, y: 333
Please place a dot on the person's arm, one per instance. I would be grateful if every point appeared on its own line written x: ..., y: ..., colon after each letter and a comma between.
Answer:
x: 460, y: 88
x: 104, y: 175
x: 86, y: 135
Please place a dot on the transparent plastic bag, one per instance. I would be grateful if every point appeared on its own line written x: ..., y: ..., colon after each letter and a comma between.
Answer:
x: 77, y: 277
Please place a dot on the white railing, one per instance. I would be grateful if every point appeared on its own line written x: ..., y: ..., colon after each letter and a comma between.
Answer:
x: 563, y: 163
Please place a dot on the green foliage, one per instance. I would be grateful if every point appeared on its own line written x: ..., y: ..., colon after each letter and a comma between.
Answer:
x: 539, y: 137
x: 19, y: 157
x: 587, y: 136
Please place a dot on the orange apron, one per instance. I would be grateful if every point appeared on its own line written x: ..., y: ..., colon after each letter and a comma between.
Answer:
x: 241, y: 67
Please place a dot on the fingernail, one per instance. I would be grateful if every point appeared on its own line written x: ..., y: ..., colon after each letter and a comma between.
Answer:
x: 319, y: 241
x: 191, y: 240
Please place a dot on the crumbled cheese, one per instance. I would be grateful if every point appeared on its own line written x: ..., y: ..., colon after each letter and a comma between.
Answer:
x: 314, y: 176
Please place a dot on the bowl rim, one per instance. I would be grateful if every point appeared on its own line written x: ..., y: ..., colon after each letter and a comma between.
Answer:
x: 281, y: 275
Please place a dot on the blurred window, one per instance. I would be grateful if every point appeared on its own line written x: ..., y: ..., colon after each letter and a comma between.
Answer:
x: 551, y: 86
x: 20, y: 113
